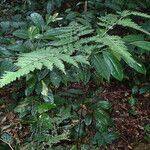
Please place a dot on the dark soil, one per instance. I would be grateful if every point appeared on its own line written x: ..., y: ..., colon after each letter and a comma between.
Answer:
x: 129, y: 126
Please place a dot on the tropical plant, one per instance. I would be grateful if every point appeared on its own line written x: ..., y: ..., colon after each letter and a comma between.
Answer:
x: 59, y: 56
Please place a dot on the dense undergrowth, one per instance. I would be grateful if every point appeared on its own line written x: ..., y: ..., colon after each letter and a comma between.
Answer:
x: 62, y: 52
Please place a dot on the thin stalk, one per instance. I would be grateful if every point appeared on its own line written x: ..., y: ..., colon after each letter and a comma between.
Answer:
x: 80, y: 121
x: 85, y: 6
x: 112, y: 26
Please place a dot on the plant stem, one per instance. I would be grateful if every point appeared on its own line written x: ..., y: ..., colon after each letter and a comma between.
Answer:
x: 85, y: 6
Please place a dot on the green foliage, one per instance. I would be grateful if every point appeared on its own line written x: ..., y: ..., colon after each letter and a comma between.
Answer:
x: 147, y: 131
x: 41, y: 123
x: 36, y: 60
x: 69, y: 42
x: 60, y: 55
x: 132, y: 102
x: 104, y: 138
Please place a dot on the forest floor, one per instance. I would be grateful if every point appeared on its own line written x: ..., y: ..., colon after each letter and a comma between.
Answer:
x: 129, y: 126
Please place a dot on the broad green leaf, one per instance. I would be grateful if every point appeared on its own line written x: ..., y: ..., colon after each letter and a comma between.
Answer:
x: 135, y: 64
x: 33, y: 32
x: 102, y: 120
x: 42, y: 74
x: 98, y: 139
x: 22, y: 108
x: 104, y: 105
x: 75, y: 91
x: 80, y: 129
x: 31, y: 82
x: 84, y: 74
x: 44, y: 89
x: 145, y: 45
x: 100, y: 66
x: 55, y: 79
x: 50, y: 6
x: 21, y: 34
x: 110, y: 137
x: 5, y: 25
x: 47, y: 93
x: 7, y: 138
x: 30, y: 88
x: 117, y: 45
x: 104, y: 138
x: 144, y: 89
x: 114, y: 65
x: 49, y: 97
x: 38, y: 20
x: 44, y: 107
x: 88, y: 119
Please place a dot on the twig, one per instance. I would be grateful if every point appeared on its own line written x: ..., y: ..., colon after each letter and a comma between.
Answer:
x: 80, y: 121
x: 85, y: 6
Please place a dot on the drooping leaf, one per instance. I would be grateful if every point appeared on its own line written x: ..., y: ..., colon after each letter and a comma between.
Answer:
x: 21, y: 34
x: 102, y: 139
x: 103, y: 105
x: 102, y: 120
x: 55, y: 79
x: 114, y: 65
x: 135, y: 64
x: 38, y: 20
x: 101, y: 67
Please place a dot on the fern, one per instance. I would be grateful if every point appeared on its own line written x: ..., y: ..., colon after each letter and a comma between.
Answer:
x: 74, y: 44
x: 74, y: 38
x: 71, y: 34
x: 67, y: 42
x: 36, y: 60
x: 111, y: 20
x: 116, y: 44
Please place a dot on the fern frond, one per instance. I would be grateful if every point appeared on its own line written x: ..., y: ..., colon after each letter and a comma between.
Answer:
x: 140, y: 14
x: 129, y: 23
x: 144, y: 15
x: 74, y: 33
x: 49, y: 58
x: 9, y: 77
x: 116, y: 44
x: 110, y: 21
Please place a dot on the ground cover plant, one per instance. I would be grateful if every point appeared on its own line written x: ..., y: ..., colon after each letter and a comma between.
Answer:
x: 74, y: 74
